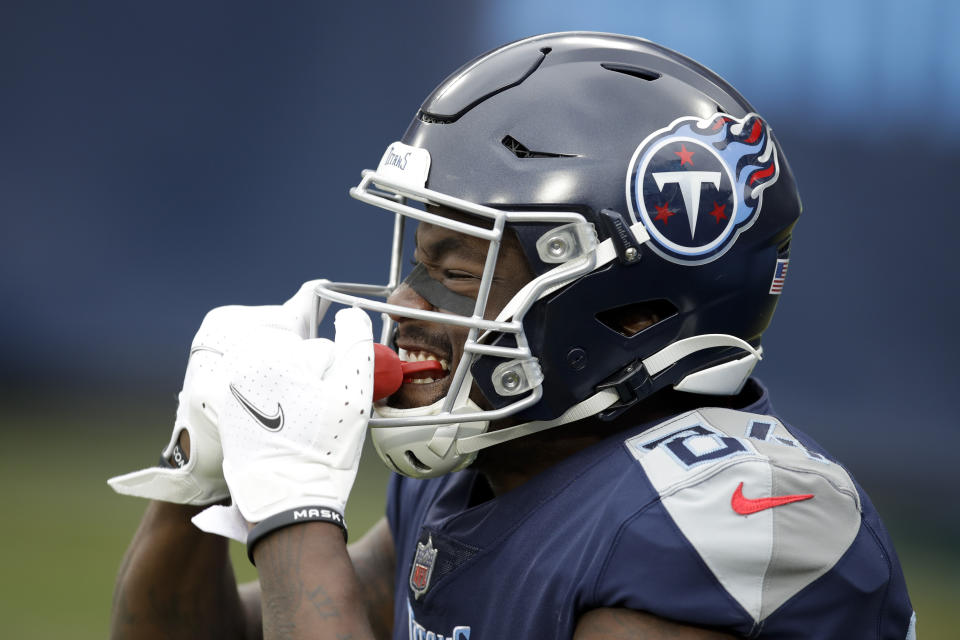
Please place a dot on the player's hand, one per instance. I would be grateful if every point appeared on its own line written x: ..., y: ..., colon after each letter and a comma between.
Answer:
x: 292, y: 422
x: 195, y: 479
x: 198, y: 478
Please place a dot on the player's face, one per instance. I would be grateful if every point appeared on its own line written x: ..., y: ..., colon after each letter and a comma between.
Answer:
x: 456, y: 261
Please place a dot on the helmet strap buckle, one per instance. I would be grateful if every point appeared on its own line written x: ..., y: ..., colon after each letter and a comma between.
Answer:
x: 621, y: 235
x: 631, y: 383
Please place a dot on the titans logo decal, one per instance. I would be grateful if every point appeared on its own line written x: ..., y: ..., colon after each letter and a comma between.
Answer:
x: 698, y: 184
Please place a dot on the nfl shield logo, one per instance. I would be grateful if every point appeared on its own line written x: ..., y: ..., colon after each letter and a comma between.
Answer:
x: 422, y: 567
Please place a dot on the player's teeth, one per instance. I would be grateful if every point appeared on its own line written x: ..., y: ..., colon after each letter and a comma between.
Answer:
x: 420, y: 356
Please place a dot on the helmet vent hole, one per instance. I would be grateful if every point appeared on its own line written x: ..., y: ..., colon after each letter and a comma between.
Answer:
x: 520, y: 150
x: 630, y: 70
x: 415, y: 461
x: 631, y: 319
x: 783, y: 251
x: 429, y: 118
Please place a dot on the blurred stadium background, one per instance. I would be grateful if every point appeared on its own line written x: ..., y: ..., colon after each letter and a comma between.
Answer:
x: 159, y: 159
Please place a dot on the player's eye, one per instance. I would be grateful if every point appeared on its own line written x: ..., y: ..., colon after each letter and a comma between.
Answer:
x: 446, y: 274
x: 456, y: 274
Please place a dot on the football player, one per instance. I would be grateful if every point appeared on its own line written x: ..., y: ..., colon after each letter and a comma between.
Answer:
x: 603, y: 233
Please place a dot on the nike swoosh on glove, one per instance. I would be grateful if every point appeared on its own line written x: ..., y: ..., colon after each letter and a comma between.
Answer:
x: 200, y: 481
x: 324, y: 392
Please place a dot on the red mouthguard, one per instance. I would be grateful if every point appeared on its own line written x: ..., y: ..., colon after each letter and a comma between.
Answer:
x: 389, y: 372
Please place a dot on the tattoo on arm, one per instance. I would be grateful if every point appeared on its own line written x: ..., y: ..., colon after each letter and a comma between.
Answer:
x: 323, y: 603
x: 309, y: 586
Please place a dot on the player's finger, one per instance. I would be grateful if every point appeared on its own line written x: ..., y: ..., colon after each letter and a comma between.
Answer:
x: 298, y: 310
x: 317, y: 354
x: 353, y: 348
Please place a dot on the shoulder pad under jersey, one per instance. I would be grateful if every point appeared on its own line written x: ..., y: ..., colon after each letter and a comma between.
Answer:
x: 766, y: 515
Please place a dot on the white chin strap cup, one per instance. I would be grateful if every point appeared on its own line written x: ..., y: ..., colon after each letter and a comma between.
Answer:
x: 425, y: 451
x: 725, y: 379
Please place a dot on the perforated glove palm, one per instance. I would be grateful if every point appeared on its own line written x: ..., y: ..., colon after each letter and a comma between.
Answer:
x: 292, y: 422
x: 199, y: 480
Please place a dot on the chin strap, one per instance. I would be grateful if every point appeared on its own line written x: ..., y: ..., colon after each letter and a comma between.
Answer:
x: 724, y: 379
x: 589, y: 407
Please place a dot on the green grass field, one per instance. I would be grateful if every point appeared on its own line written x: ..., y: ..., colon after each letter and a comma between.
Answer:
x: 65, y: 530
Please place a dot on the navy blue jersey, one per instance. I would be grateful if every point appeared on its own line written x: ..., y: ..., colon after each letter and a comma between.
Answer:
x: 725, y: 519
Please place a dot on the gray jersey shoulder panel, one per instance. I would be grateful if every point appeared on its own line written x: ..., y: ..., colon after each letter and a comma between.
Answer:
x: 762, y: 552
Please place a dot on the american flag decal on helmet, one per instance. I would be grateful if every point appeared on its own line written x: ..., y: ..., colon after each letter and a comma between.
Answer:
x: 779, y: 276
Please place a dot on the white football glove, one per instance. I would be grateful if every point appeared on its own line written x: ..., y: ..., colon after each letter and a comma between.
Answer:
x: 293, y: 417
x: 199, y: 481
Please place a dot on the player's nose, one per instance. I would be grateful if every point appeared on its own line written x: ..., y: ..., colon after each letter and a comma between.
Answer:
x: 405, y: 296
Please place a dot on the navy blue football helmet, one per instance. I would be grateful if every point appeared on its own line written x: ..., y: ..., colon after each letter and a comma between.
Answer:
x: 634, y: 179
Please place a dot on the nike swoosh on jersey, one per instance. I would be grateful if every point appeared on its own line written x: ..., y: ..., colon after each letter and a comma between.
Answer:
x: 745, y: 506
x: 269, y: 422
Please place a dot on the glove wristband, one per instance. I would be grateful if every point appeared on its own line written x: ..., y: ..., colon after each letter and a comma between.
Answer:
x: 291, y: 517
x: 179, y: 457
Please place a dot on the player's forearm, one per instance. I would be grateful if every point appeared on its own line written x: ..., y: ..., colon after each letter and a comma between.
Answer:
x: 309, y: 587
x: 175, y: 581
